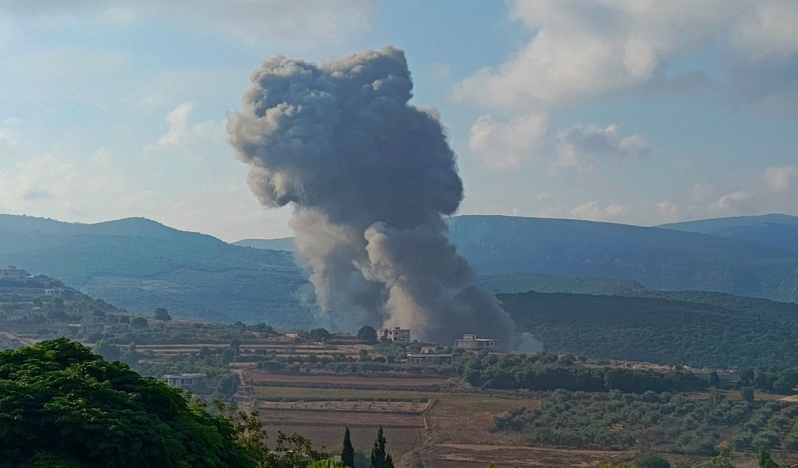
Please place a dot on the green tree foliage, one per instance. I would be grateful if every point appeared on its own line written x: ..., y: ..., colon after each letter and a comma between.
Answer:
x: 108, y: 351
x: 140, y: 322
x: 290, y: 451
x: 652, y: 460
x: 777, y: 379
x: 661, y: 328
x: 62, y: 405
x: 348, y: 452
x: 162, y: 314
x: 379, y: 457
x: 545, y: 372
x: 747, y: 394
x: 617, y: 420
x: 764, y: 460
x: 326, y: 464
x: 367, y: 334
x: 320, y: 334
x: 130, y: 355
x: 723, y: 460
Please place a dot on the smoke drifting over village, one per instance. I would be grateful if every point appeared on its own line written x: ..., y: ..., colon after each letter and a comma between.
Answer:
x: 370, y: 179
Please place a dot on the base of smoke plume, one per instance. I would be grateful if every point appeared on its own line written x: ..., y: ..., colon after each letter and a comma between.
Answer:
x: 526, y: 343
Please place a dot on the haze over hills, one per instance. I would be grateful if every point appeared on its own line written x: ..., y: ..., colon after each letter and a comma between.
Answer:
x: 657, y: 258
x: 283, y: 243
x: 774, y: 229
x: 139, y: 264
x: 665, y: 327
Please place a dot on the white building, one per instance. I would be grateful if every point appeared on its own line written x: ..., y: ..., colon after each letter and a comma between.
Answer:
x: 393, y: 334
x: 472, y: 343
x: 429, y: 356
x: 186, y: 381
x: 12, y: 274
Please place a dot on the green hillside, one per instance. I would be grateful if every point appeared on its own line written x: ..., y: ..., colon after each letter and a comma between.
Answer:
x: 656, y: 258
x: 524, y: 282
x: 708, y: 226
x: 691, y: 328
x: 283, y: 243
x: 140, y: 265
x: 776, y: 229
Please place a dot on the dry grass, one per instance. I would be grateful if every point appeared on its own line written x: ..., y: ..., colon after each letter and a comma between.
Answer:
x: 479, y: 455
x: 345, y: 406
x: 387, y: 381
x: 276, y: 393
x: 400, y: 440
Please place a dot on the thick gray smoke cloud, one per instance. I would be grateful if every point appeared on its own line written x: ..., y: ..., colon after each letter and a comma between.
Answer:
x: 370, y: 178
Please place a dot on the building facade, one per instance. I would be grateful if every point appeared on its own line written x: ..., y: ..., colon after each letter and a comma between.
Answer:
x: 472, y: 343
x: 393, y: 334
x: 12, y: 274
x: 186, y: 381
x: 429, y: 356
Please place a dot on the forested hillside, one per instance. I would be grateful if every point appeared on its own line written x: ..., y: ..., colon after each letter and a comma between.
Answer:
x: 656, y: 258
x: 690, y: 328
x: 776, y: 229
x: 738, y: 262
x: 140, y: 265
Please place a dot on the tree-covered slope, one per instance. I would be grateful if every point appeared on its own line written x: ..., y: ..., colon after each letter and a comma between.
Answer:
x: 656, y: 258
x: 523, y: 282
x: 283, y: 243
x: 776, y: 229
x: 62, y: 406
x: 140, y: 265
x: 691, y: 328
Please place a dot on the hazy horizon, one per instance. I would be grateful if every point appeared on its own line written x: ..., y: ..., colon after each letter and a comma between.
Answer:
x: 605, y: 112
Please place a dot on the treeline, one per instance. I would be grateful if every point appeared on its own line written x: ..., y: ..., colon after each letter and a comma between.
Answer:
x: 541, y: 372
x: 296, y: 364
x: 690, y: 328
x: 780, y: 380
x: 39, y: 281
x: 673, y: 423
x: 63, y: 406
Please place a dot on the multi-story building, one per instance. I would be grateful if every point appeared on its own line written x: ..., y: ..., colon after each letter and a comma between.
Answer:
x: 472, y: 343
x: 429, y: 356
x: 186, y: 381
x: 393, y: 334
x: 12, y: 274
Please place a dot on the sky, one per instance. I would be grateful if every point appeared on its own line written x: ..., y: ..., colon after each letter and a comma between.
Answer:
x: 631, y: 111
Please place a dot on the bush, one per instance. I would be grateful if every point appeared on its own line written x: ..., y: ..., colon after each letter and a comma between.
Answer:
x: 71, y: 408
x: 652, y: 461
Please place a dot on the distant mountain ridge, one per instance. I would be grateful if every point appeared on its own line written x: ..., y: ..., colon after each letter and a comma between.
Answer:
x: 777, y: 230
x: 656, y: 258
x: 660, y: 258
x: 139, y: 264
x: 283, y: 243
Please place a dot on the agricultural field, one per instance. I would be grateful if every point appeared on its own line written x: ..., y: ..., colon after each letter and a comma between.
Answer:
x: 416, y: 413
x: 435, y: 417
x: 500, y: 408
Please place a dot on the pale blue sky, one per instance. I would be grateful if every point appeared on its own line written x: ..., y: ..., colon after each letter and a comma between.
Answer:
x: 632, y: 111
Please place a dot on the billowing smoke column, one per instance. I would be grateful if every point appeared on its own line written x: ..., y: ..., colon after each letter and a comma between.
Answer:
x: 370, y: 178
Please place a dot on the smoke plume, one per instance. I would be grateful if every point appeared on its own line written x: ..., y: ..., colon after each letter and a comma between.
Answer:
x: 370, y: 178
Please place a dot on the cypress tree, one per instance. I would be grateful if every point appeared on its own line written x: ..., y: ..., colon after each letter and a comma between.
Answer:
x: 348, y: 452
x: 379, y: 458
